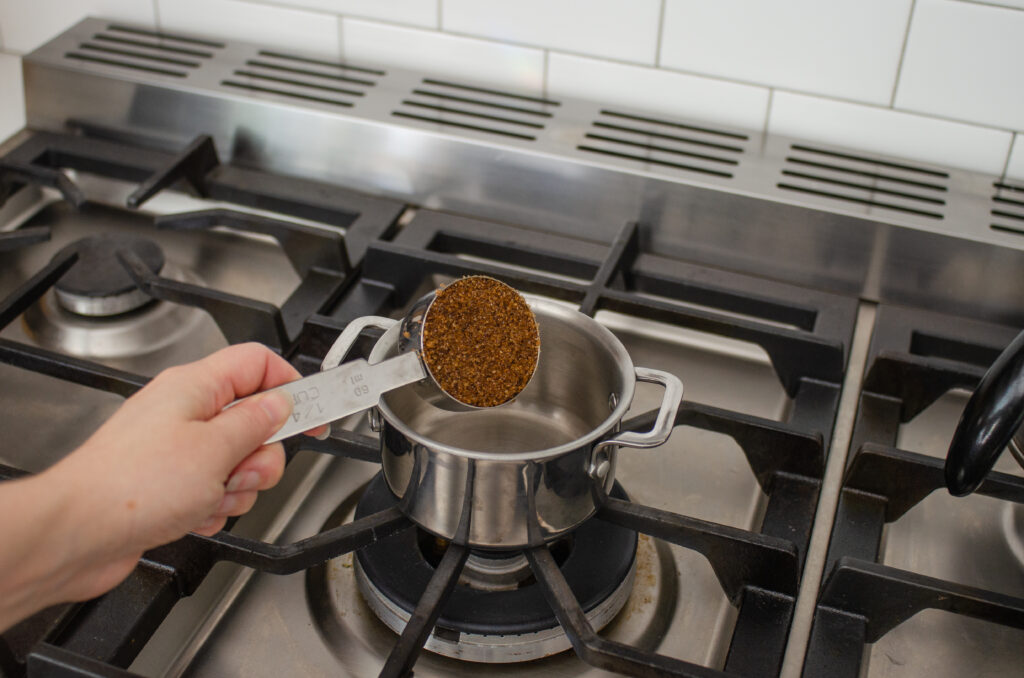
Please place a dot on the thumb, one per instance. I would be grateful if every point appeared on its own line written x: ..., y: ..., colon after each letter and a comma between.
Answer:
x: 245, y: 426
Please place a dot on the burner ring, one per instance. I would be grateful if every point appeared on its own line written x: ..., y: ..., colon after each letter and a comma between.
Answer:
x: 393, y: 572
x: 492, y: 649
x: 97, y: 284
x: 97, y: 307
x: 143, y: 331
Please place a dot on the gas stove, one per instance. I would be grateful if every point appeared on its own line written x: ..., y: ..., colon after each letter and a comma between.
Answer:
x: 827, y: 311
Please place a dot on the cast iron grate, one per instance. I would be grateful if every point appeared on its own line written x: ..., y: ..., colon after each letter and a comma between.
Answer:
x: 665, y: 143
x: 915, y: 357
x: 479, y: 109
x: 805, y: 333
x: 865, y: 180
x: 320, y: 256
x: 1008, y: 208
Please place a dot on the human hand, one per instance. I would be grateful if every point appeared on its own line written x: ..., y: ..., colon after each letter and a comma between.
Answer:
x: 170, y: 460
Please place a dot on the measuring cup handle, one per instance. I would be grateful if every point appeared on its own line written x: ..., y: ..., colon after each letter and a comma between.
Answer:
x: 343, y: 344
x: 666, y: 419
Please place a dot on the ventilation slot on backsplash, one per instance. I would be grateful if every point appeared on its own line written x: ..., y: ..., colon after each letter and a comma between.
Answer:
x: 865, y: 180
x: 146, y: 51
x: 665, y: 143
x: 1008, y: 208
x: 477, y: 108
x: 302, y: 78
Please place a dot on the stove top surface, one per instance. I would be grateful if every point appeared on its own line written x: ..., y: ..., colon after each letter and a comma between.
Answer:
x: 790, y: 526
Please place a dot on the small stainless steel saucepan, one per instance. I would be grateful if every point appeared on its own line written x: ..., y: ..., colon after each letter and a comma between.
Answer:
x: 533, y: 469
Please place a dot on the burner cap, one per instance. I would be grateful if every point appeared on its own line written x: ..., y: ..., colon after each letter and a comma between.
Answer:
x: 98, y: 285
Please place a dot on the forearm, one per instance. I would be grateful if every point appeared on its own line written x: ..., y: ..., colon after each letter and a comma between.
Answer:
x: 63, y: 539
x: 31, y: 516
x: 171, y: 460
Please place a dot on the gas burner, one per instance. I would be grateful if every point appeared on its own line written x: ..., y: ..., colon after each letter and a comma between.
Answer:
x: 98, y: 285
x: 96, y: 311
x: 497, y: 613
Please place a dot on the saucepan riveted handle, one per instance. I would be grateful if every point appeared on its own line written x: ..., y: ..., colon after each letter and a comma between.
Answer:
x: 666, y: 420
x: 343, y: 344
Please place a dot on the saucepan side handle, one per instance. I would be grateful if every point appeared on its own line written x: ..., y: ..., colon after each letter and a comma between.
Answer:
x: 666, y: 420
x: 348, y: 337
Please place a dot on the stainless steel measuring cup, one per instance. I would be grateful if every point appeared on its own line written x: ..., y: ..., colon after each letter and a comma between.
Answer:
x: 344, y: 389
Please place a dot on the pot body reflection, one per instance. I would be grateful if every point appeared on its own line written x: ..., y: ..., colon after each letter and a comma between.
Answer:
x: 531, y: 470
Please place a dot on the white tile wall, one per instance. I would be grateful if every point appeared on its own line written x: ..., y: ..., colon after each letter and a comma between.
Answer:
x: 616, y: 29
x: 25, y: 24
x: 953, y: 96
x: 843, y: 48
x: 1019, y: 4
x: 965, y: 61
x: 885, y: 131
x: 657, y: 91
x: 12, y: 103
x: 297, y: 30
x: 1015, y: 168
x: 412, y: 12
x: 440, y: 54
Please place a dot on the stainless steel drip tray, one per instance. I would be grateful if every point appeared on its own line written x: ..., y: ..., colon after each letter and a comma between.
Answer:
x: 267, y: 625
x: 963, y: 540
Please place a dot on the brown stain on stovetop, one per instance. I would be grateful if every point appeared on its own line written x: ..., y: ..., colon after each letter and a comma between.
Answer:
x: 645, y: 579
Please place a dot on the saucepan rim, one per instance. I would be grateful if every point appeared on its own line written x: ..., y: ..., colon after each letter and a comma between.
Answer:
x: 544, y: 307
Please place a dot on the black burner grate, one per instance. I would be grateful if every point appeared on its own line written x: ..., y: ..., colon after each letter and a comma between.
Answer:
x: 915, y: 357
x: 805, y: 333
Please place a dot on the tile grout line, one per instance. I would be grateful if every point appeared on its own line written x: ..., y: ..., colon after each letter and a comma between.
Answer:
x: 695, y: 74
x: 610, y: 60
x: 544, y: 75
x: 767, y: 118
x: 341, y: 38
x: 440, y: 15
x: 828, y: 500
x: 321, y: 12
x: 994, y: 5
x: 746, y: 83
x: 903, y: 53
x: 1009, y: 156
x: 156, y: 14
x: 661, y: 32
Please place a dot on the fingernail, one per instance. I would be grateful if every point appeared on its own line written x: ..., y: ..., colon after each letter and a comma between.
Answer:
x: 242, y: 481
x: 227, y: 504
x: 209, y: 522
x: 277, y: 405
x: 325, y: 434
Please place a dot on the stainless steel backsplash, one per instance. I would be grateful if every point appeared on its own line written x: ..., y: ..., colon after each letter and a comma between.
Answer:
x: 827, y: 217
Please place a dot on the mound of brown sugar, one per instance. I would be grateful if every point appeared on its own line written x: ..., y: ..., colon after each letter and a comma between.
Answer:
x: 480, y: 341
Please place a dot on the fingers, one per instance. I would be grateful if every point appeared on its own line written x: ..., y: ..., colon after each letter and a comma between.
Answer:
x: 232, y: 373
x: 320, y: 432
x: 259, y: 471
x: 237, y: 431
x: 211, y: 526
x: 236, y: 503
x: 231, y: 504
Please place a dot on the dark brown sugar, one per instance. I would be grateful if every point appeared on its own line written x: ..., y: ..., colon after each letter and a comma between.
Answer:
x: 480, y: 341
